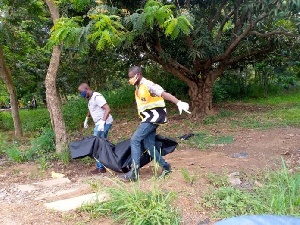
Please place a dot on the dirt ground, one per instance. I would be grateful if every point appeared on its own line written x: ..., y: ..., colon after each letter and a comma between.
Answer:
x: 263, y: 148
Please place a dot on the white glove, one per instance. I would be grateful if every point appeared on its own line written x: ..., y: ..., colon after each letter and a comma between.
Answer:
x: 100, y: 124
x: 183, y: 106
x: 85, y: 124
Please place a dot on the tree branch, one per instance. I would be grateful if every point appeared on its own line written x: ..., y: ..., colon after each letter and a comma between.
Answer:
x: 235, y: 42
x: 175, y: 68
x: 268, y: 34
x: 247, y: 56
x: 238, y: 23
x: 188, y: 4
x: 197, y: 62
x: 213, y: 21
x: 223, y: 24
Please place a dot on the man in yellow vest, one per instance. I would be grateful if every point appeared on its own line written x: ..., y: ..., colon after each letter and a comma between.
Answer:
x: 152, y: 111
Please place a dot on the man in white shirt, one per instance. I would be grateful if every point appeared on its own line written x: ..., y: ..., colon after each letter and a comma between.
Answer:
x: 99, y: 110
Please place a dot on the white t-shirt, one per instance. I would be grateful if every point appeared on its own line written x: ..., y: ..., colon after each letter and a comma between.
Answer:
x: 95, y: 107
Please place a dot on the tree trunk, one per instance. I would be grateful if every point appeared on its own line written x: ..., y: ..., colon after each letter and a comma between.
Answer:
x: 201, y: 95
x: 52, y: 97
x: 5, y: 74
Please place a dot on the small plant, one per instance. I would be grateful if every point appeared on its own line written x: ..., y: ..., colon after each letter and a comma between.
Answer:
x: 64, y: 157
x: 188, y: 177
x: 43, y: 163
x: 218, y: 180
x: 95, y: 185
x: 14, y: 153
x: 43, y: 146
x: 87, y: 161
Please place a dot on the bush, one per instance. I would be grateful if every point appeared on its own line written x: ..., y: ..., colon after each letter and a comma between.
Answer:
x: 74, y: 112
x: 42, y: 146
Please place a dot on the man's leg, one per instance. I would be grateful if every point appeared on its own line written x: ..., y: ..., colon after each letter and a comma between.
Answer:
x: 140, y: 134
x: 99, y: 167
x: 149, y: 143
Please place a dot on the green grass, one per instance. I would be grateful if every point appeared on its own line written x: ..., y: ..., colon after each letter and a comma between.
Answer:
x: 41, y: 149
x: 31, y: 120
x: 205, y: 140
x: 278, y: 195
x: 218, y: 180
x: 277, y: 117
x: 209, y: 120
x: 133, y: 205
x: 284, y: 98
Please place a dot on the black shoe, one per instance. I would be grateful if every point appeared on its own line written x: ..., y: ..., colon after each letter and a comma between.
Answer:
x: 166, y: 170
x: 130, y: 176
x: 98, y: 170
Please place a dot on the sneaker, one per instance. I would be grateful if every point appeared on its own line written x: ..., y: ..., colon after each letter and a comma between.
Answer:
x: 98, y: 170
x: 165, y: 171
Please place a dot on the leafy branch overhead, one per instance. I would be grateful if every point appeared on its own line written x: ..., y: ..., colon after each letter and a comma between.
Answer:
x: 108, y: 30
x: 68, y: 32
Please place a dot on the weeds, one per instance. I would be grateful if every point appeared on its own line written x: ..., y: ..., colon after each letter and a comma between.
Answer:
x: 42, y: 150
x: 190, y: 179
x: 281, y: 191
x: 229, y: 202
x: 279, y: 195
x: 135, y: 206
x: 64, y: 157
x: 218, y: 180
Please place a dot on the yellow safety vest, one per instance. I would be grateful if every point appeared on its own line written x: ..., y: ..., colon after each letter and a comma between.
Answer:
x: 150, y: 108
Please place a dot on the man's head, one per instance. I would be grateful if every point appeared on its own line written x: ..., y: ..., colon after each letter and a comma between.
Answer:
x: 85, y: 90
x: 135, y: 75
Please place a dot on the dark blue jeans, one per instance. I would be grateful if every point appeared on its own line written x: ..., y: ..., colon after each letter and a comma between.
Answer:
x: 145, y: 132
x: 102, y: 134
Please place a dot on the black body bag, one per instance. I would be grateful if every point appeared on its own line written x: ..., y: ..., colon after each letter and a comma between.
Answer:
x: 117, y: 157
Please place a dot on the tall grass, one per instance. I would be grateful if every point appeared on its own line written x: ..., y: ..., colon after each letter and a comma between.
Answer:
x: 132, y: 206
x: 74, y: 112
x: 121, y: 97
x: 31, y: 120
x: 281, y: 192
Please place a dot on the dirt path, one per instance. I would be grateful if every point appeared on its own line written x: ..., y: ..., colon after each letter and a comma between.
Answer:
x: 263, y: 149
